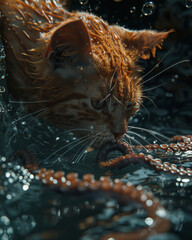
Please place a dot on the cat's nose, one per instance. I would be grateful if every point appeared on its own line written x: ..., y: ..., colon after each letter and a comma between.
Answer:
x: 118, y: 135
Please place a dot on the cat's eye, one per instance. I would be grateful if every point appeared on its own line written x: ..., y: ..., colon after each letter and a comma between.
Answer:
x: 97, y: 104
x: 130, y: 106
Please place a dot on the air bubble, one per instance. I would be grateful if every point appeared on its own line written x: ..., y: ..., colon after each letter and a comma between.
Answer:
x: 188, y: 3
x: 148, y: 8
x: 132, y: 9
x: 83, y: 2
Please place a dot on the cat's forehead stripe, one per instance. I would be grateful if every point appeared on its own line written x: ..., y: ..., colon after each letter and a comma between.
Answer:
x: 110, y: 52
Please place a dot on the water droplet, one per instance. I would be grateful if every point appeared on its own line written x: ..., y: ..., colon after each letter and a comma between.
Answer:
x: 149, y: 221
x: 161, y: 212
x: 3, y: 159
x: 149, y: 203
x: 5, y: 220
x: 5, y: 237
x: 83, y: 2
x: 188, y: 3
x: 132, y: 9
x: 25, y: 187
x: 148, y: 8
x: 10, y: 230
x: 9, y: 196
x: 7, y: 174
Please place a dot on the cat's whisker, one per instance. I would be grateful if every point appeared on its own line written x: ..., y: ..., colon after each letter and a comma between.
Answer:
x: 117, y: 99
x: 84, y: 149
x: 128, y: 143
x: 105, y: 98
x: 95, y: 144
x: 69, y: 144
x: 80, y: 118
x: 124, y: 139
x: 138, y: 135
x: 30, y: 102
x: 99, y: 142
x: 113, y: 87
x: 29, y: 115
x: 128, y: 140
x: 150, y: 100
x: 102, y: 141
x: 152, y: 88
x: 158, y: 63
x: 39, y: 114
x: 151, y: 132
x: 82, y: 129
x: 145, y: 109
x: 173, y: 65
x: 80, y: 151
x: 136, y: 141
x: 80, y: 142
x: 110, y: 85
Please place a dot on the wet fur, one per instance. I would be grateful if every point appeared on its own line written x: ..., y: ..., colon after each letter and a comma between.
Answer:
x: 77, y: 68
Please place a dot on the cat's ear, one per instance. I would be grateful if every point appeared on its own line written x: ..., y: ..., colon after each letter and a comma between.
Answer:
x: 70, y: 39
x: 145, y: 41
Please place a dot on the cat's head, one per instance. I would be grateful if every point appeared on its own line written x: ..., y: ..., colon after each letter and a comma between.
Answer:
x: 93, y: 79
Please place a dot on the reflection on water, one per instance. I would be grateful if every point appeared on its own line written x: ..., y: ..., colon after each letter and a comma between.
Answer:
x: 30, y: 211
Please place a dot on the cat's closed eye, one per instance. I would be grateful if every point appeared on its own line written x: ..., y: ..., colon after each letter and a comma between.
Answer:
x: 97, y: 104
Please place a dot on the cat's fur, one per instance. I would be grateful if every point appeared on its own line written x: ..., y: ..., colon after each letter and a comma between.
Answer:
x: 79, y: 69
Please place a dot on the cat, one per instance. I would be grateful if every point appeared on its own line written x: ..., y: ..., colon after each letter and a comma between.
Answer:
x: 75, y: 69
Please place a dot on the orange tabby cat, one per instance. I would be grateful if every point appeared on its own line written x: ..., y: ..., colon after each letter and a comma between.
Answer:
x: 80, y: 71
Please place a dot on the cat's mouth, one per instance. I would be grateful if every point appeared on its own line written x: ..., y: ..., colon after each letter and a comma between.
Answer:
x: 111, y: 149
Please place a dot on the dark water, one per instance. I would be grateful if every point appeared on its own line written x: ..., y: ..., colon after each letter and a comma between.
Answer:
x: 30, y: 211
